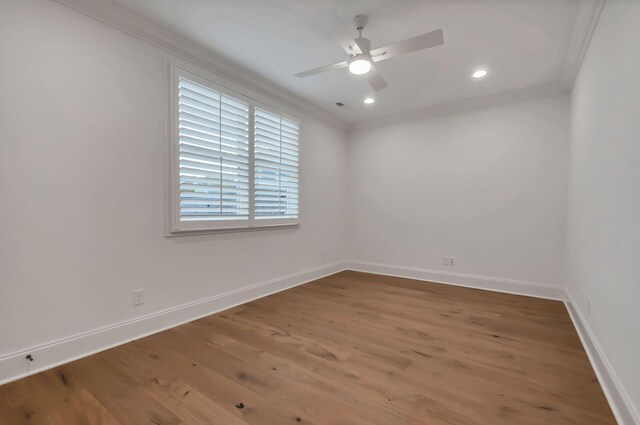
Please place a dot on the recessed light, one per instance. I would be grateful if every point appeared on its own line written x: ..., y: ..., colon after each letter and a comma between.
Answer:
x: 479, y: 73
x: 369, y: 100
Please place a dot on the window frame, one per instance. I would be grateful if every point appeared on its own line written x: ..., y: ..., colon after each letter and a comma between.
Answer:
x: 176, y: 227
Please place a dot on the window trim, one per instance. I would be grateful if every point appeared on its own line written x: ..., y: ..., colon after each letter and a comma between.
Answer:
x: 253, y: 99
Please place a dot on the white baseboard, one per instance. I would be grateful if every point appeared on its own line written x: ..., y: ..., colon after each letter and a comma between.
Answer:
x: 623, y: 409
x: 54, y: 353
x: 620, y: 402
x: 518, y: 287
x: 15, y: 365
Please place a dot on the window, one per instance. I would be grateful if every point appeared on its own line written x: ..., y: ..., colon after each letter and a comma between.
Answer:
x: 235, y: 160
x: 276, y: 165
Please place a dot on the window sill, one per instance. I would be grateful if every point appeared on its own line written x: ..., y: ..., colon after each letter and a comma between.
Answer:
x: 196, y: 232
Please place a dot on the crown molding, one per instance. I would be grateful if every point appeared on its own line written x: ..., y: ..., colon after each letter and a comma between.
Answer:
x: 142, y: 28
x: 508, y: 97
x: 124, y: 19
x: 584, y: 25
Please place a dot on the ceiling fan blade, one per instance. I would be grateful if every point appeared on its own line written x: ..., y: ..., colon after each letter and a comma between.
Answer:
x: 375, y: 79
x: 325, y: 68
x: 424, y: 41
x: 343, y: 36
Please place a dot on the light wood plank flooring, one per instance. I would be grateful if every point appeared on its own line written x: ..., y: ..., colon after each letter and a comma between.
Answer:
x: 349, y: 349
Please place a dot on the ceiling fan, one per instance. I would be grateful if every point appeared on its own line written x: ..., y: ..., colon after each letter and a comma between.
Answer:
x: 361, y: 58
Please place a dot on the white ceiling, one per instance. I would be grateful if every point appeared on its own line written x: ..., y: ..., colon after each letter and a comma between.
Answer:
x: 523, y: 43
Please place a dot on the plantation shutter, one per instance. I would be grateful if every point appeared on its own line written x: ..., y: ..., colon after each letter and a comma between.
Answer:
x: 276, y: 166
x: 213, y: 136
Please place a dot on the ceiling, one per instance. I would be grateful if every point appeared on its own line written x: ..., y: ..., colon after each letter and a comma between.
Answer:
x: 523, y: 43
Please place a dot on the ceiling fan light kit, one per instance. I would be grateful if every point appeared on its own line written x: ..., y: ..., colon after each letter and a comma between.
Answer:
x: 361, y: 58
x: 360, y: 64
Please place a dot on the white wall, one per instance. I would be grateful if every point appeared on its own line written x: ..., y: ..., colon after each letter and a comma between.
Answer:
x: 82, y: 180
x: 83, y: 109
x: 485, y: 185
x: 604, y: 192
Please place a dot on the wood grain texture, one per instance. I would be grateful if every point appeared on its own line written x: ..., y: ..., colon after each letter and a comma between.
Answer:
x: 348, y: 349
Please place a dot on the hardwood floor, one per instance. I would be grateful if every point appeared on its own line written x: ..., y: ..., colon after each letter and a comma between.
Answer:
x: 349, y: 349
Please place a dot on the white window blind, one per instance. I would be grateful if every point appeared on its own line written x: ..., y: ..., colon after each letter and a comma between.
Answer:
x: 234, y: 159
x: 213, y: 139
x: 276, y: 169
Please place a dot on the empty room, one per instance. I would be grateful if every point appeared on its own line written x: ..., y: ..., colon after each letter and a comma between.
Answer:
x: 321, y: 212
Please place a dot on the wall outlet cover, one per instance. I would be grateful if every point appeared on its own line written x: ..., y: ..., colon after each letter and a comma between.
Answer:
x: 138, y: 297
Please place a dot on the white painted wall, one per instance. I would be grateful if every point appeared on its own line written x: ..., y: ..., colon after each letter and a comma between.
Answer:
x: 83, y: 109
x: 82, y: 181
x: 604, y: 196
x: 485, y: 185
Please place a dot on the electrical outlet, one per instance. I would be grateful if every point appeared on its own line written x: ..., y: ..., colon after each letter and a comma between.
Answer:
x: 448, y: 261
x: 138, y: 297
x: 452, y: 261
